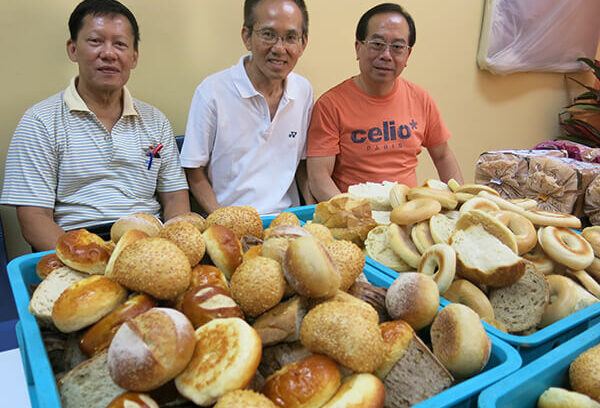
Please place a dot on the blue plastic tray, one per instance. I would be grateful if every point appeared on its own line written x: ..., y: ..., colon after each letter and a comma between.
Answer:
x: 522, y: 388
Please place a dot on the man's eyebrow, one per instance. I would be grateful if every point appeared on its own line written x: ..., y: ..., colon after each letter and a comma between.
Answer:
x: 380, y: 37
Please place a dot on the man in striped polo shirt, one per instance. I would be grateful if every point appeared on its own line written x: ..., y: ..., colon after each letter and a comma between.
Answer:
x: 91, y: 153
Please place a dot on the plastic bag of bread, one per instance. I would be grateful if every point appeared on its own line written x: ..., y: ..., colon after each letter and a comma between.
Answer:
x: 591, y: 204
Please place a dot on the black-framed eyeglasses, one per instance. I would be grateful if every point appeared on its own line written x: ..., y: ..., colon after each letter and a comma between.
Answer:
x: 378, y: 46
x: 270, y: 37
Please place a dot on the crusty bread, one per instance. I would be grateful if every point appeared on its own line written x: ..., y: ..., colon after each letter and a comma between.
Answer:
x: 378, y: 247
x: 223, y: 247
x: 359, y: 391
x: 44, y: 296
x: 281, y: 323
x: 378, y: 194
x: 187, y: 237
x: 89, y: 384
x: 584, y: 373
x: 83, y: 251
x: 483, y: 258
x: 129, y: 237
x: 243, y: 220
x: 520, y: 306
x: 555, y: 397
x: 349, y: 260
x: 244, y: 399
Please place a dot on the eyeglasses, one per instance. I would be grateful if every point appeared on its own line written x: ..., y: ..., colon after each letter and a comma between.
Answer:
x: 378, y: 46
x: 270, y: 37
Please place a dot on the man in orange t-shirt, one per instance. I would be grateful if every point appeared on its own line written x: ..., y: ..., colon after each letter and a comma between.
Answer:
x: 371, y: 127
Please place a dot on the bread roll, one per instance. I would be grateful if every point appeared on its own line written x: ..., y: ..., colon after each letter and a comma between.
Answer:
x: 281, y: 323
x: 555, y: 397
x: 309, y: 268
x: 253, y: 252
x: 584, y: 373
x: 155, y: 266
x: 85, y: 302
x: 359, y: 391
x: 285, y: 218
x: 133, y: 400
x: 242, y: 221
x: 464, y: 292
x: 285, y: 231
x: 187, y: 238
x: 150, y: 349
x: 83, y: 251
x: 309, y: 382
x: 319, y: 231
x: 349, y: 259
x: 414, y: 298
x: 257, y: 285
x: 99, y: 336
x: 364, y: 310
x: 193, y: 218
x: 244, y: 399
x: 459, y: 341
x: 396, y: 336
x: 372, y: 295
x: 377, y: 246
x: 225, y: 359
x: 139, y: 221
x: 205, y: 303
x: 208, y: 275
x: 129, y: 237
x: 47, y: 264
x: 224, y: 248
x: 275, y: 248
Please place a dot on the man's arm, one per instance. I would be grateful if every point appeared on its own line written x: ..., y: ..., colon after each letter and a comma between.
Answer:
x: 319, y: 171
x: 445, y: 163
x: 202, y: 189
x: 302, y: 181
x: 38, y: 227
x: 174, y: 203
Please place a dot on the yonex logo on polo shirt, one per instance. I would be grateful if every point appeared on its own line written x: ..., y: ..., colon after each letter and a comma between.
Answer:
x: 293, y: 133
x: 388, y: 132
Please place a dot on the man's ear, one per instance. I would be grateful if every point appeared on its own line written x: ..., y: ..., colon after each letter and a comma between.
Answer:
x: 356, y: 47
x: 246, y: 35
x: 72, y: 50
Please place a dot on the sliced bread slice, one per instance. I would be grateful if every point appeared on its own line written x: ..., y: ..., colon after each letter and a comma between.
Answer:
x: 377, y: 246
x: 378, y: 194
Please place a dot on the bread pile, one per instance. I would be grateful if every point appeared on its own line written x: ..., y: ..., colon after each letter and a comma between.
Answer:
x: 518, y: 267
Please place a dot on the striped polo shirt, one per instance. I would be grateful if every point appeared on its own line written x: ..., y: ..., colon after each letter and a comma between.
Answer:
x: 61, y: 156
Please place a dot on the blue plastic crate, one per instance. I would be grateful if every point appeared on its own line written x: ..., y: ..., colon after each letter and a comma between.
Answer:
x: 522, y: 388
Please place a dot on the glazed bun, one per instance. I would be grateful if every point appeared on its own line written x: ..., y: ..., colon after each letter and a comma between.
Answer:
x: 83, y: 251
x: 244, y: 399
x: 414, y: 298
x: 193, y: 218
x: 208, y: 275
x: 349, y: 260
x: 205, y: 303
x: 47, y: 264
x: 150, y: 349
x: 155, y: 266
x: 187, y: 237
x: 242, y: 221
x: 139, y: 221
x: 127, y: 238
x: 133, y: 400
x: 308, y: 382
x: 359, y: 390
x: 85, y: 302
x: 224, y: 248
x: 309, y: 268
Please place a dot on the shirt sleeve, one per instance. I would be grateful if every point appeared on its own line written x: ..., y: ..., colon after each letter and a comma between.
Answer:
x: 200, y: 130
x: 171, y: 176
x: 437, y: 132
x: 324, y: 130
x: 30, y: 175
x: 308, y: 114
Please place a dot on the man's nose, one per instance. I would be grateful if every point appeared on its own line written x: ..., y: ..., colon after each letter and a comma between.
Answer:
x: 108, y: 51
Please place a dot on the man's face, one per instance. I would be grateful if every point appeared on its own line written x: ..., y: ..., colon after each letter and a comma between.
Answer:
x: 383, y: 67
x: 104, y: 51
x: 275, y: 17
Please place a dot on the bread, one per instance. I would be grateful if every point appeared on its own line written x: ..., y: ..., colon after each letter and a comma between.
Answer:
x: 47, y: 264
x: 402, y: 245
x: 205, y: 303
x: 275, y: 248
x: 464, y: 292
x: 490, y: 224
x: 319, y: 231
x: 414, y: 298
x: 129, y: 237
x: 208, y: 275
x: 83, y: 251
x: 306, y: 383
x: 555, y: 397
x: 187, y: 237
x: 377, y: 246
x: 155, y: 266
x: 459, y: 341
x: 285, y: 231
x: 226, y: 356
x: 373, y: 296
x: 224, y: 248
x: 566, y: 298
x: 140, y: 221
x: 397, y: 335
x: 310, y: 269
x: 281, y: 323
x: 584, y: 373
x: 378, y: 194
x: 359, y: 391
x: 85, y: 302
x: 339, y: 330
x: 44, y: 296
x: 133, y: 400
x: 242, y: 221
x: 244, y: 399
x: 150, y: 349
x: 276, y: 356
x: 285, y: 218
x: 257, y: 285
x: 349, y: 259
x: 441, y: 228
x: 363, y: 310
x: 193, y: 218
x: 99, y: 336
x: 482, y: 258
x: 421, y: 236
x: 89, y: 384
x: 520, y: 306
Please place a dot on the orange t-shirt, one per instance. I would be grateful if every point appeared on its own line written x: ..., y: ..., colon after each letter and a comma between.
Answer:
x: 374, y: 138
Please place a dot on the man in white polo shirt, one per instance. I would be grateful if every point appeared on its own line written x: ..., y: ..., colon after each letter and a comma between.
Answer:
x: 246, y: 132
x: 92, y: 154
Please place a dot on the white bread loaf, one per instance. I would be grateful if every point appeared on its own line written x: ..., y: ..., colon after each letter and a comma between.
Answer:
x: 378, y: 194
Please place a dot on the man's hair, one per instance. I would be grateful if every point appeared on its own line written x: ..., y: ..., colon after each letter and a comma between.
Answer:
x: 101, y: 8
x: 250, y: 17
x: 361, y: 28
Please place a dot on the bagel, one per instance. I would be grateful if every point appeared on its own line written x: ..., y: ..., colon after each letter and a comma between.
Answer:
x: 439, y: 262
x: 447, y: 199
x: 587, y: 282
x: 453, y: 185
x: 398, y: 195
x: 525, y: 203
x: 479, y: 203
x: 592, y: 235
x: 464, y: 292
x: 566, y: 247
x: 539, y: 258
x: 594, y: 268
x: 521, y: 227
x: 563, y: 299
x: 421, y: 236
x: 475, y: 189
x: 463, y: 197
x: 415, y: 210
x: 436, y: 184
x: 441, y: 228
x: 403, y: 246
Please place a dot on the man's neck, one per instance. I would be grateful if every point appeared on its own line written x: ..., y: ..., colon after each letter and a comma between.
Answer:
x: 266, y: 87
x: 107, y: 106
x: 374, y: 89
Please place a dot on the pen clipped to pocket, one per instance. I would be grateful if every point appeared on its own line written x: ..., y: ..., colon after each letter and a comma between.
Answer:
x: 153, y: 152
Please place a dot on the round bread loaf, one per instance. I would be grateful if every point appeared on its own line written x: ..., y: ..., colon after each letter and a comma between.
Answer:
x: 155, y: 266
x: 85, y: 302
x: 244, y: 399
x: 193, y: 218
x: 139, y: 221
x: 150, y: 349
x: 464, y: 292
x: 224, y: 248
x: 339, y: 330
x: 459, y: 341
x: 584, y: 373
x: 133, y: 400
x: 242, y: 221
x: 208, y: 275
x: 205, y: 303
x: 310, y: 269
x: 359, y: 390
x: 414, y: 298
x: 257, y: 285
x: 319, y: 231
x: 308, y: 382
x: 47, y: 264
x: 225, y: 359
x: 83, y: 251
x: 349, y: 260
x: 187, y: 238
x: 129, y: 237
x: 99, y: 336
x: 285, y: 218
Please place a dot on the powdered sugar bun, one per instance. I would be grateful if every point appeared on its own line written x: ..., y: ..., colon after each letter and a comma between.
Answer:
x: 414, y: 298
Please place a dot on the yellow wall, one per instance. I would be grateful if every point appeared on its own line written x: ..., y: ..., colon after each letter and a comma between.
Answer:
x: 183, y: 41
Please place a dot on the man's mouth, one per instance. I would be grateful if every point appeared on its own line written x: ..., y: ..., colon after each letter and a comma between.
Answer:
x: 277, y: 62
x: 108, y: 70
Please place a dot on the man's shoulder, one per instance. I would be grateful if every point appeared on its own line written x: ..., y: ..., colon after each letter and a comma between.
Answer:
x: 338, y: 94
x: 412, y: 88
x: 47, y: 106
x: 147, y: 111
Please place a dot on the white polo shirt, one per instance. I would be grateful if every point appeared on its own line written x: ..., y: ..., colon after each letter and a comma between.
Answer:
x: 250, y: 159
